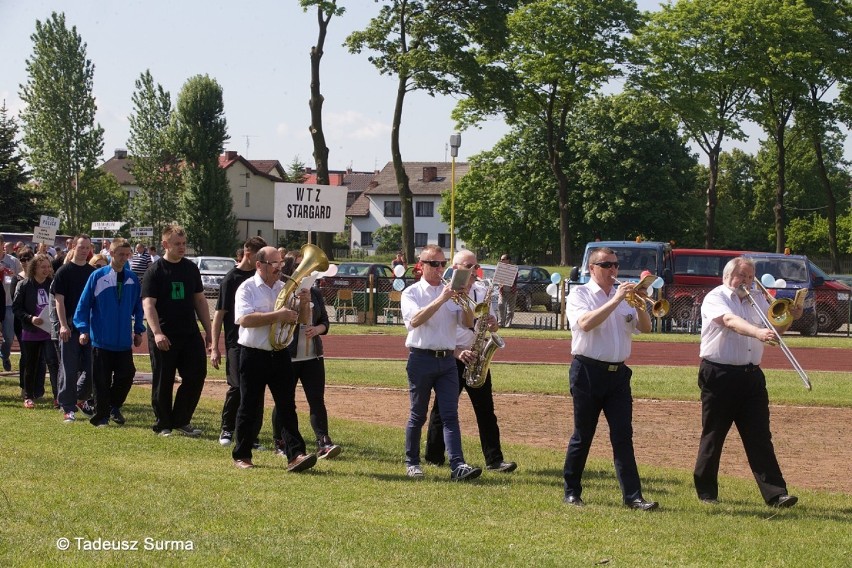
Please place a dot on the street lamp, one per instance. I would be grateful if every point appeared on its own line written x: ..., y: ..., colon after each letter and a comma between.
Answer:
x: 455, y: 142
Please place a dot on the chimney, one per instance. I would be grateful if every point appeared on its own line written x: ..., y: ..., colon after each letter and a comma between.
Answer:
x: 120, y: 154
x: 231, y: 155
x: 429, y: 173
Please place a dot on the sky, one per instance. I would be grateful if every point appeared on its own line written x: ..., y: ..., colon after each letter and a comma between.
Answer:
x: 258, y: 51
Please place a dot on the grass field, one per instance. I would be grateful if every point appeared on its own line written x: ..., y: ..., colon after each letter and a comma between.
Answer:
x: 126, y: 484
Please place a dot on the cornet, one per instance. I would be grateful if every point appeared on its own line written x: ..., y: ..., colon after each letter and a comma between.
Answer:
x: 638, y: 300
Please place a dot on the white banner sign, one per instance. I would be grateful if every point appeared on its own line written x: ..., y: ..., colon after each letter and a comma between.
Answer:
x: 44, y: 235
x: 106, y: 225
x: 302, y: 207
x: 48, y: 222
x: 142, y: 232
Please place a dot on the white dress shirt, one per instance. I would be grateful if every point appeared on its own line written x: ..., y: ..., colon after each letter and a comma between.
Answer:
x: 611, y: 340
x: 722, y: 345
x: 439, y: 331
x: 254, y: 296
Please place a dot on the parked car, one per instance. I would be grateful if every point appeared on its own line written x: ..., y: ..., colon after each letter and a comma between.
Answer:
x: 696, y: 272
x: 213, y: 269
x: 354, y: 276
x: 796, y: 271
x: 532, y: 288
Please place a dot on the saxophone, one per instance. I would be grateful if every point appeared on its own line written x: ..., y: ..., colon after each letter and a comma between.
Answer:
x: 484, y: 345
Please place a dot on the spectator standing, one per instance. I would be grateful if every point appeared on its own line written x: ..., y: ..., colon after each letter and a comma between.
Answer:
x: 172, y: 297
x: 507, y: 298
x: 10, y: 267
x: 152, y: 252
x: 31, y: 307
x: 75, y: 359
x: 140, y: 261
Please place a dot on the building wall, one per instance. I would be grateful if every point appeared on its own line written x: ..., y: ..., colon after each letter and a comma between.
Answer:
x: 432, y: 226
x: 258, y: 214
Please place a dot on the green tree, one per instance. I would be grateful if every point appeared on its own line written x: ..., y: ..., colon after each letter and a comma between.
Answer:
x: 59, y: 128
x: 388, y: 239
x: 559, y: 52
x: 200, y: 132
x: 326, y: 9
x: 690, y: 60
x: 743, y: 213
x: 103, y: 198
x: 434, y: 46
x: 154, y: 165
x: 17, y: 204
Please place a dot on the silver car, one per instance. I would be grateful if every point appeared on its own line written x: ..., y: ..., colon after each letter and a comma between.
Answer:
x: 213, y: 269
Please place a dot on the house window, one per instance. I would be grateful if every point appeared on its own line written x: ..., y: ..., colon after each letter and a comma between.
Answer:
x: 366, y: 239
x: 424, y: 209
x: 420, y: 239
x: 393, y: 209
x: 247, y: 200
x: 444, y: 240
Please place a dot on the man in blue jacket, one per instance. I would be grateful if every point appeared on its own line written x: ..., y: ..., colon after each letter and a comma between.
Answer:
x: 112, y: 297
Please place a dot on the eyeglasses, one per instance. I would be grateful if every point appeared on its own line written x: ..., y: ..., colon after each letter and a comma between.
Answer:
x: 470, y: 266
x: 606, y: 264
x: 279, y: 263
x: 435, y: 263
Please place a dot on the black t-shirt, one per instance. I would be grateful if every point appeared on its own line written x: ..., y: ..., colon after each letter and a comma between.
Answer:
x: 227, y: 296
x: 174, y: 285
x: 69, y: 281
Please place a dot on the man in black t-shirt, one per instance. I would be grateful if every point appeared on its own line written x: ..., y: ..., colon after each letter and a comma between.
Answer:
x: 172, y: 297
x: 74, y: 386
x: 225, y: 315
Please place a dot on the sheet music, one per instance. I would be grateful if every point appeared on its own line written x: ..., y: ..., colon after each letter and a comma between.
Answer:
x: 505, y: 274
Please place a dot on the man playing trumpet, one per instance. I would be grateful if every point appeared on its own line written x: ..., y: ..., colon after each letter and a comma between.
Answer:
x: 602, y: 324
x: 733, y: 387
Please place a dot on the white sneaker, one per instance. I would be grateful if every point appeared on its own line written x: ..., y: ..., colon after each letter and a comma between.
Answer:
x: 225, y: 438
x: 69, y: 417
x: 414, y: 471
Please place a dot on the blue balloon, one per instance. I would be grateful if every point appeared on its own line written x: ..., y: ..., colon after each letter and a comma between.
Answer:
x: 768, y: 280
x: 399, y: 284
x: 658, y: 283
x: 555, y: 277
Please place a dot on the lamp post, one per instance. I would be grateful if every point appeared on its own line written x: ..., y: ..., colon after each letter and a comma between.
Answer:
x: 455, y: 142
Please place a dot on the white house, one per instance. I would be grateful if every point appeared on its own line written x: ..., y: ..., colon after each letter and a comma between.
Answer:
x: 380, y: 204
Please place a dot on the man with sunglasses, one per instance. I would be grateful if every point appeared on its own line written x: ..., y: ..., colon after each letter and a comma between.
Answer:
x: 481, y: 398
x: 602, y: 324
x: 431, y: 318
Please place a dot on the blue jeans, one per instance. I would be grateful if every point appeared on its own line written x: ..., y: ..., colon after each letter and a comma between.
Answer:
x: 8, y: 330
x: 75, y: 372
x: 425, y: 373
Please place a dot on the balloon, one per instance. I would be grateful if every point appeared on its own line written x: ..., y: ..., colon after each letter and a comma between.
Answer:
x: 658, y: 283
x: 332, y: 271
x: 555, y: 277
x: 399, y: 285
x: 768, y: 280
x: 644, y: 273
x: 398, y: 270
x: 552, y: 288
x: 780, y: 283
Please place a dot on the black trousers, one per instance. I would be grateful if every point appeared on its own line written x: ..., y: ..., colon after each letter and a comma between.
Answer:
x: 112, y: 376
x: 482, y: 399
x: 32, y: 369
x: 259, y: 369
x: 186, y: 356
x: 735, y: 396
x: 312, y: 375
x: 594, y: 390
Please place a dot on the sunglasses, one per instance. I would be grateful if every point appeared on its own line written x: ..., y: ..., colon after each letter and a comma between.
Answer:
x: 606, y: 264
x: 279, y: 263
x: 470, y: 266
x: 435, y: 263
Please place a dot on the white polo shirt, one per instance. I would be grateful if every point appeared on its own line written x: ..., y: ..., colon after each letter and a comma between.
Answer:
x: 611, y: 340
x: 722, y: 345
x: 439, y: 331
x: 254, y: 296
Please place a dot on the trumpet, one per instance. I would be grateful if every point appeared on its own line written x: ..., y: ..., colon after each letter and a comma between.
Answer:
x: 764, y: 317
x: 639, y: 300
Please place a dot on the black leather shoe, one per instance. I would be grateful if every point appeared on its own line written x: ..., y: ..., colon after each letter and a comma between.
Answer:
x: 784, y: 501
x: 642, y: 505
x: 573, y: 500
x: 502, y: 467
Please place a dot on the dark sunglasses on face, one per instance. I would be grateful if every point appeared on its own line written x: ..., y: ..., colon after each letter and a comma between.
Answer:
x: 435, y: 263
x: 606, y: 264
x: 469, y: 266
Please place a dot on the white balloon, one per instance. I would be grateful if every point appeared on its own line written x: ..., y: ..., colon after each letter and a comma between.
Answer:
x: 399, y: 285
x: 780, y: 283
x: 768, y: 280
x: 398, y: 270
x: 551, y: 289
x: 658, y: 283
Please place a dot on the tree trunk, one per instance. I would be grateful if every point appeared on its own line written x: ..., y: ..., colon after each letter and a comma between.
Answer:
x: 325, y: 241
x: 405, y: 196
x: 712, y: 199
x: 830, y: 202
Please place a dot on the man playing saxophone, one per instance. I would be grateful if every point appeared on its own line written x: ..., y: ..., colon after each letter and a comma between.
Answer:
x: 481, y: 397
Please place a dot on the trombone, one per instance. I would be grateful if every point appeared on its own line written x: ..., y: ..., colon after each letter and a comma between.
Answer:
x: 638, y: 300
x: 782, y: 307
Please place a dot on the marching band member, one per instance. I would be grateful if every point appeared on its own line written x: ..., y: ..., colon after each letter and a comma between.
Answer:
x: 733, y: 387
x: 481, y: 398
x: 602, y: 324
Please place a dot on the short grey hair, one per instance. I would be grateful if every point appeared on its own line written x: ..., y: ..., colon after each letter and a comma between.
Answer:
x: 733, y: 264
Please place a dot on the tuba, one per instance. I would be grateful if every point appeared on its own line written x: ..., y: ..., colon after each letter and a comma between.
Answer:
x: 485, y: 344
x: 313, y: 259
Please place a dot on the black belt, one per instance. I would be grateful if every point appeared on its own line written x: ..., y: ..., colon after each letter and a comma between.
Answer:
x: 606, y: 365
x: 439, y: 354
x: 751, y: 367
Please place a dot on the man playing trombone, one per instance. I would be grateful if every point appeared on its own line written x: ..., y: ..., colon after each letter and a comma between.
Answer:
x: 733, y: 387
